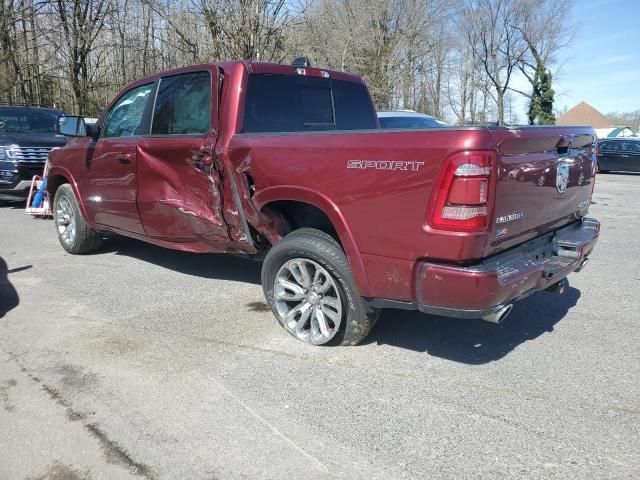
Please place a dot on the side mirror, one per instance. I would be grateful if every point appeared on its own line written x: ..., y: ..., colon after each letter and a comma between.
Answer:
x: 71, y: 126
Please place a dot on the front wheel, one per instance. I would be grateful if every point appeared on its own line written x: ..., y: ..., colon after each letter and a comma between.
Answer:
x: 308, y: 284
x: 74, y: 234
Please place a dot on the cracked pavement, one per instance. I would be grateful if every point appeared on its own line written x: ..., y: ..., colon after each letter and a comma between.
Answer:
x: 141, y: 362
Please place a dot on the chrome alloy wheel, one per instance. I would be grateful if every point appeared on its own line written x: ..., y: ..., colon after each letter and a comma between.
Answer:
x: 66, y: 220
x: 307, y: 301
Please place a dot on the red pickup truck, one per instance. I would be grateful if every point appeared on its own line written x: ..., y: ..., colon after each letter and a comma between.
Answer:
x: 288, y: 163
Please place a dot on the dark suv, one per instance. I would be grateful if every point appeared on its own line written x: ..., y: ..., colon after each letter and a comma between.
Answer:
x: 618, y: 154
x: 27, y: 134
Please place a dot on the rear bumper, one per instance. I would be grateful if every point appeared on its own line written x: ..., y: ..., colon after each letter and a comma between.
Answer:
x: 478, y: 290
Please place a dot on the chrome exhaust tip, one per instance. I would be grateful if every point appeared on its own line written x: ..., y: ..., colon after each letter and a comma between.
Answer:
x: 583, y: 264
x: 498, y: 315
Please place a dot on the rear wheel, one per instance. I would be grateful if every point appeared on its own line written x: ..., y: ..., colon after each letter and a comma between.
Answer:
x: 74, y: 234
x: 308, y: 283
x: 600, y: 170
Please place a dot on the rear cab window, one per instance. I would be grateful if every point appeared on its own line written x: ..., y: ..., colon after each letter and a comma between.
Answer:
x: 295, y: 103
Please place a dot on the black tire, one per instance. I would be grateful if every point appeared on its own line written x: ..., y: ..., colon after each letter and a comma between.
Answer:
x: 600, y: 170
x: 85, y: 239
x: 319, y: 247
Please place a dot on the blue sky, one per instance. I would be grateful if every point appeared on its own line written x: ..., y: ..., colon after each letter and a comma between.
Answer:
x: 602, y: 65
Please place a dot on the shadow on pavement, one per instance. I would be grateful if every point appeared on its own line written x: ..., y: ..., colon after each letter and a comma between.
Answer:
x: 633, y: 174
x: 8, y: 295
x: 205, y: 265
x: 473, y: 341
x: 15, y: 203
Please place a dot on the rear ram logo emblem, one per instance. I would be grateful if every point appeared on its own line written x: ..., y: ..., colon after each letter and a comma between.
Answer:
x: 385, y: 165
x: 562, y: 177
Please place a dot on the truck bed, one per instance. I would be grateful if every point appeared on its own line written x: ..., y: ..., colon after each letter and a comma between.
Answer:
x: 381, y: 183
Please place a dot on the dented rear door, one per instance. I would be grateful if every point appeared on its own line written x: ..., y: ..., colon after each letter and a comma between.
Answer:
x: 179, y: 185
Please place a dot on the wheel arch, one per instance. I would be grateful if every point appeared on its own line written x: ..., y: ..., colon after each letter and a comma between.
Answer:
x: 321, y: 213
x: 57, y: 177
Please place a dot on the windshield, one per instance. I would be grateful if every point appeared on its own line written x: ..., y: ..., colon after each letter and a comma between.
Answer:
x: 28, y: 120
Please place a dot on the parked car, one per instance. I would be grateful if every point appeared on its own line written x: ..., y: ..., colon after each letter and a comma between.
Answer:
x: 618, y: 154
x: 288, y: 164
x: 27, y: 135
x: 409, y: 119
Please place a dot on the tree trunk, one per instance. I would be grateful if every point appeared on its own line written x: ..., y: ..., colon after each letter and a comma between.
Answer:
x: 500, y: 107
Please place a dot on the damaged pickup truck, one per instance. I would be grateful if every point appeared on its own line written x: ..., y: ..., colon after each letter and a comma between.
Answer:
x: 288, y: 163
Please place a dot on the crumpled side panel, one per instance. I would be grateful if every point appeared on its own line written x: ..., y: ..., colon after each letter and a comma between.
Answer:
x: 269, y: 227
x: 177, y: 200
x: 232, y: 216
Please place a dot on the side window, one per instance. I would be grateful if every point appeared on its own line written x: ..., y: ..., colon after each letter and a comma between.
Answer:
x: 125, y: 117
x: 631, y: 147
x: 183, y: 105
x: 610, y: 147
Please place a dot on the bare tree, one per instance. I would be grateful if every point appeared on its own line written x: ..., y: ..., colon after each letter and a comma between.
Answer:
x: 461, y: 87
x: 248, y: 29
x: 494, y: 35
x: 543, y: 33
x: 544, y: 36
x: 10, y: 15
x: 450, y: 58
x: 81, y: 21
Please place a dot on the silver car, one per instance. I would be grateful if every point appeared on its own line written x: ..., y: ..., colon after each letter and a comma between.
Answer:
x: 409, y: 119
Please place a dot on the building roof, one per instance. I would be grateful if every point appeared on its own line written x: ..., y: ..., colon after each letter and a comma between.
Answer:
x: 584, y: 114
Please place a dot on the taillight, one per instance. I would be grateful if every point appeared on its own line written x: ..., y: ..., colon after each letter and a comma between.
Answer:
x: 462, y: 196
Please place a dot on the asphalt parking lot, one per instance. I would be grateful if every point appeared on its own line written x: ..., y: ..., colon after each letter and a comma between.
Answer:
x: 141, y: 362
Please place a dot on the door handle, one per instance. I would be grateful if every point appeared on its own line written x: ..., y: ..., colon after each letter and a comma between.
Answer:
x: 123, y: 158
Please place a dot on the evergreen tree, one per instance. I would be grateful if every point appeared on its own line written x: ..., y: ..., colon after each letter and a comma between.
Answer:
x: 541, y: 104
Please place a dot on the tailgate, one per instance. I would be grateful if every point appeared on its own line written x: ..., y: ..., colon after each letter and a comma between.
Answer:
x: 544, y: 180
